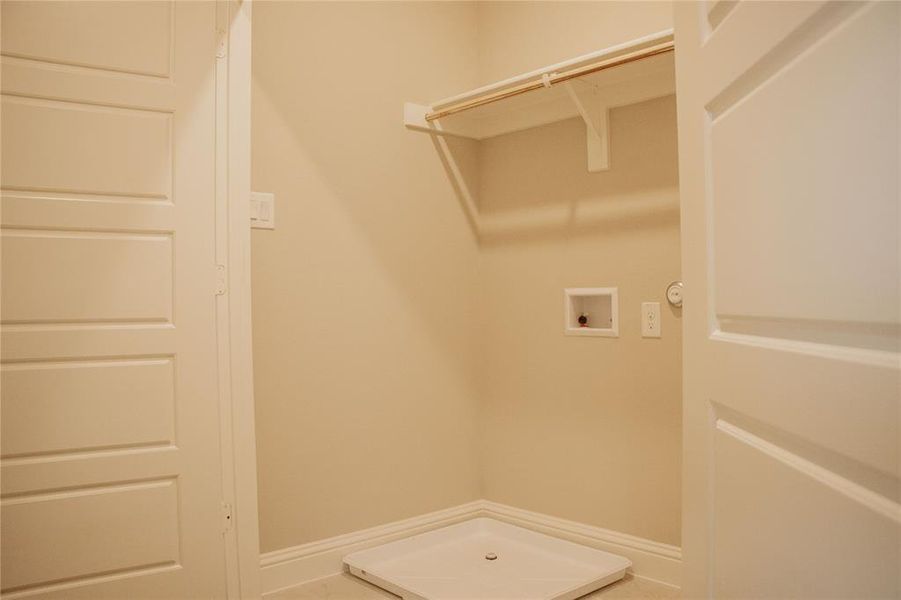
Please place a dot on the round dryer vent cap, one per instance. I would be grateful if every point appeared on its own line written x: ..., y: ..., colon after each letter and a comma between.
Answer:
x: 674, y: 293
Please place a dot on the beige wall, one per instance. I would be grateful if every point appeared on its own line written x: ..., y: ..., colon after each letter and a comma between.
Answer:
x: 587, y: 429
x: 363, y: 294
x: 383, y: 388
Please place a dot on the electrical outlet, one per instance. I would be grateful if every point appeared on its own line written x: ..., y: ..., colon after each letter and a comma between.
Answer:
x: 650, y: 319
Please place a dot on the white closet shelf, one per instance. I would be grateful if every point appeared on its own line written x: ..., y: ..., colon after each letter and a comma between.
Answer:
x: 631, y: 72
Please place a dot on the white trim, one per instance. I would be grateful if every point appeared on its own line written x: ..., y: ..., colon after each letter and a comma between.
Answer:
x: 301, y: 564
x: 237, y: 428
x: 650, y: 560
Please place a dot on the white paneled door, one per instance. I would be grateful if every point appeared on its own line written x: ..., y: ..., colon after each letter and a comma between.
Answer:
x: 789, y: 164
x: 111, y: 472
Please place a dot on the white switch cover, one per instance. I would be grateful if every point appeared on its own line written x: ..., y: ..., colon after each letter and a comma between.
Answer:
x: 650, y: 319
x: 262, y: 210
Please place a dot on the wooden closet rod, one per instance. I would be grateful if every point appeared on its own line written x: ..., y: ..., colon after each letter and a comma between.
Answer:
x: 551, y: 79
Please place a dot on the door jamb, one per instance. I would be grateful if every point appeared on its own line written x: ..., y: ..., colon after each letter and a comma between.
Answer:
x: 233, y: 300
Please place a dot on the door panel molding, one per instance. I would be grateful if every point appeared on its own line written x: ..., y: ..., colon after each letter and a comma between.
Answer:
x: 862, y: 494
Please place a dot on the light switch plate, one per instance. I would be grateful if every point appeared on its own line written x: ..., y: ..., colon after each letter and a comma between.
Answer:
x: 262, y: 210
x: 650, y: 319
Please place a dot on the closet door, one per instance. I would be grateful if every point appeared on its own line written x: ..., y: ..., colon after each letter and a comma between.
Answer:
x: 110, y: 454
x: 789, y: 165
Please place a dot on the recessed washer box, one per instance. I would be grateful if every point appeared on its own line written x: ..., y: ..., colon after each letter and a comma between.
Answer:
x: 488, y: 559
x: 597, y: 307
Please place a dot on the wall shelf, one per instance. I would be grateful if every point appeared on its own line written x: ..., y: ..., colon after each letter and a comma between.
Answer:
x: 633, y: 72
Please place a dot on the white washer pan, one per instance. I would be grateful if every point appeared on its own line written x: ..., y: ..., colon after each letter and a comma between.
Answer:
x: 450, y: 563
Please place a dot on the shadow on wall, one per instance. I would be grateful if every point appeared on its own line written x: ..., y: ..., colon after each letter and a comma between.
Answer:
x: 534, y: 185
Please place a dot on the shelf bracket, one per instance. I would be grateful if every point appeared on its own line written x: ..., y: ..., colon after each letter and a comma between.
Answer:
x: 597, y: 128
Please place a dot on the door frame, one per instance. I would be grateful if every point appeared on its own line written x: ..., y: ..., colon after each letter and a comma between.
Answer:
x: 233, y: 302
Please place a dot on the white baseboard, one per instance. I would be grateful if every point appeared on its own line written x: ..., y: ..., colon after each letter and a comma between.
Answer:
x: 300, y: 564
x: 650, y: 559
